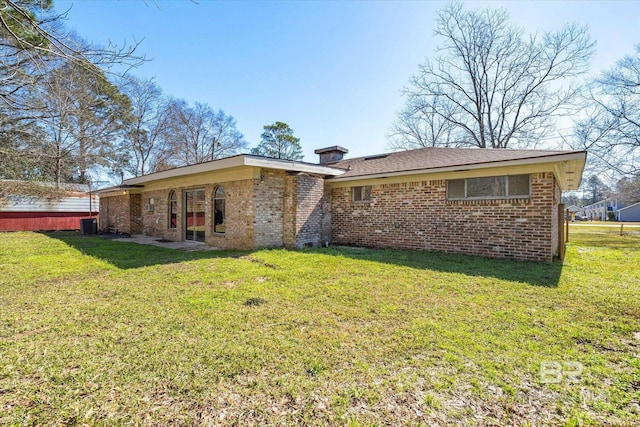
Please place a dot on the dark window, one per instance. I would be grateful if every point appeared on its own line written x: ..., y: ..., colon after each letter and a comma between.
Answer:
x: 173, y: 210
x: 491, y: 187
x: 218, y: 210
x: 455, y: 189
x: 362, y: 194
x: 519, y: 185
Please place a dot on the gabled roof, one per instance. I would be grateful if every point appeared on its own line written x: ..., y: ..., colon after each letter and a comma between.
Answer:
x: 429, y: 160
x: 630, y: 206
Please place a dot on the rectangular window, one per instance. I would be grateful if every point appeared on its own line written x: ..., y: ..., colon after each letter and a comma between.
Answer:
x: 492, y: 187
x: 518, y: 185
x: 455, y: 189
x: 362, y: 194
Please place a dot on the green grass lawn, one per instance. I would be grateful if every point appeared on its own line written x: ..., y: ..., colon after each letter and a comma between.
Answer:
x: 98, y: 332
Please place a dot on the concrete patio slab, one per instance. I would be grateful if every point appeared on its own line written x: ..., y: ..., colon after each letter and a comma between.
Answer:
x: 156, y: 241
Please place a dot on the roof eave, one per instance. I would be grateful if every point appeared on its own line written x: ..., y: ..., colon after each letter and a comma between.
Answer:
x: 577, y: 156
x: 237, y: 161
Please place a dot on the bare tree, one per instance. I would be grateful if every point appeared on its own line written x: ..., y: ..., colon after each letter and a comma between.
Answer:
x: 197, y: 134
x: 32, y: 36
x: 421, y: 124
x: 33, y: 45
x: 628, y: 190
x: 147, y: 129
x: 494, y: 85
x: 82, y: 117
x: 611, y: 129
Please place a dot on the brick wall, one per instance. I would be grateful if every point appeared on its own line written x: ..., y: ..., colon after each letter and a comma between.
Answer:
x: 239, y: 207
x: 557, y: 198
x: 135, y: 213
x: 115, y: 214
x: 417, y: 215
x: 289, y: 211
x: 156, y: 222
x: 309, y: 210
x: 238, y: 215
x: 268, y: 200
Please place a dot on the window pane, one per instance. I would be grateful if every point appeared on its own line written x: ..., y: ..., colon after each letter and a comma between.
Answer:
x: 173, y: 216
x: 362, y: 194
x: 519, y: 185
x: 493, y: 186
x: 219, y: 210
x: 357, y: 194
x: 366, y: 193
x: 455, y: 189
x: 218, y: 216
x: 173, y: 210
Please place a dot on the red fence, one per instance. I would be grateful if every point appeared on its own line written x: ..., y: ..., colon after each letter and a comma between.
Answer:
x: 41, y: 221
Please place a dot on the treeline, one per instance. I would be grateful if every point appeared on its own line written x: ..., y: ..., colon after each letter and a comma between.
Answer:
x: 67, y: 116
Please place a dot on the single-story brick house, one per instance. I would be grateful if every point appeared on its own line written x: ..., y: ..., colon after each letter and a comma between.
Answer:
x: 496, y: 203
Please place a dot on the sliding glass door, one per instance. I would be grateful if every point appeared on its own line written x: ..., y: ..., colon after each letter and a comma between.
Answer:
x: 194, y: 215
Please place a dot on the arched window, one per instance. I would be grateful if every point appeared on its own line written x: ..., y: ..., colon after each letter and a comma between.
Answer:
x: 173, y: 210
x: 218, y: 210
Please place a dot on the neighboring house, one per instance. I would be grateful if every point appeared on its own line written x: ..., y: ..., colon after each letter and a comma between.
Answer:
x: 575, y: 211
x: 629, y: 213
x: 20, y: 212
x: 603, y: 209
x: 495, y: 203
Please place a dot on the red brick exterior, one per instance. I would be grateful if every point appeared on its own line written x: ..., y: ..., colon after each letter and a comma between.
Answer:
x: 278, y: 209
x: 417, y: 215
x: 122, y: 214
x: 296, y: 209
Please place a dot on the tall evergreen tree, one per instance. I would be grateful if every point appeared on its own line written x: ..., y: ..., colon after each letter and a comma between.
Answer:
x: 278, y: 142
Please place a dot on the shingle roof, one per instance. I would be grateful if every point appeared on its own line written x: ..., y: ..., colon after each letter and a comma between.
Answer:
x: 434, y: 158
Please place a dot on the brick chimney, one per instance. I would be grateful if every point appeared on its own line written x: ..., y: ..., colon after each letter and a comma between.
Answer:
x: 331, y: 154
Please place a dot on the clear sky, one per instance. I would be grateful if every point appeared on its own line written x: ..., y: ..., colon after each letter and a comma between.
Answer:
x: 332, y: 70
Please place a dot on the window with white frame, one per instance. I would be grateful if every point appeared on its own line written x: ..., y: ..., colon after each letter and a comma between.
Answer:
x: 490, y: 187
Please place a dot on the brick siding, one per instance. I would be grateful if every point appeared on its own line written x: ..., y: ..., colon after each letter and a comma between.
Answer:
x: 268, y: 198
x: 286, y: 209
x: 309, y: 210
x: 115, y: 214
x: 279, y: 209
x: 417, y: 215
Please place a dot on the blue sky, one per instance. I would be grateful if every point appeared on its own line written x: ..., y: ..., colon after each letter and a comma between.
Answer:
x: 332, y: 70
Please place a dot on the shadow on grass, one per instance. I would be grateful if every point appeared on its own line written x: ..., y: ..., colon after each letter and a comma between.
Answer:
x: 125, y: 255
x: 532, y: 273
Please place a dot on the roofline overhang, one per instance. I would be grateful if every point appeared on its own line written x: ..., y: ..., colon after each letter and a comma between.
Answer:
x: 119, y: 188
x: 576, y: 156
x: 242, y: 160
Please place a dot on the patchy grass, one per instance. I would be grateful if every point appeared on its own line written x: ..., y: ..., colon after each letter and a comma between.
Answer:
x: 102, y: 332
